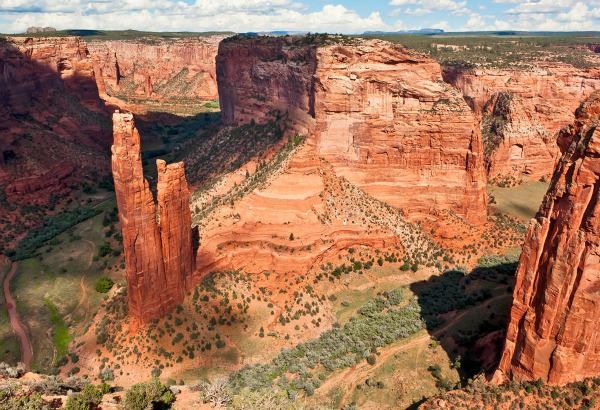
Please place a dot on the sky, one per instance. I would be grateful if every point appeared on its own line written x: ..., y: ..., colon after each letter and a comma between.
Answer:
x: 333, y: 16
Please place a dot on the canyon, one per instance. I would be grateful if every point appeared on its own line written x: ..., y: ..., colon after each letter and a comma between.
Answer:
x: 159, y: 257
x: 329, y: 237
x: 522, y: 110
x: 49, y: 98
x: 553, y: 333
x: 175, y: 72
x: 369, y: 108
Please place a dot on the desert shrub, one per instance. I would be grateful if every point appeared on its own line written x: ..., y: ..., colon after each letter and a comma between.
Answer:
x: 50, y: 228
x: 32, y: 401
x: 148, y: 395
x: 107, y: 374
x: 89, y: 398
x: 104, y: 284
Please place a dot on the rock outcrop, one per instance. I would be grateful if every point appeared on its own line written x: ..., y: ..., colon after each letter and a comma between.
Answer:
x: 380, y: 114
x: 158, y: 257
x: 554, y: 329
x: 541, y: 101
x: 157, y: 70
x: 49, y: 99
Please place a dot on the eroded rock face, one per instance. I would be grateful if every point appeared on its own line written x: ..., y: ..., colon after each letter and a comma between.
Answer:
x: 169, y: 70
x: 554, y: 330
x: 158, y: 258
x: 542, y: 101
x: 49, y: 99
x: 381, y: 115
x: 516, y: 143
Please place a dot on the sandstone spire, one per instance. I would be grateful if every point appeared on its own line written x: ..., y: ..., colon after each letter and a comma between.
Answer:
x: 158, y: 258
x: 554, y: 330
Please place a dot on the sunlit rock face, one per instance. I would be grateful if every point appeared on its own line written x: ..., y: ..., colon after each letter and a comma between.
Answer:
x: 554, y: 330
x: 379, y: 114
x: 158, y: 256
x: 525, y: 107
x: 160, y: 70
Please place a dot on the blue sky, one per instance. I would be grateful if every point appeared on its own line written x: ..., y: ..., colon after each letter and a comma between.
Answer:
x: 341, y: 16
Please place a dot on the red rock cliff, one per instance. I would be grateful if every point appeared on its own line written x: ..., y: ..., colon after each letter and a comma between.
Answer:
x: 381, y: 115
x: 49, y: 99
x: 554, y: 329
x: 157, y: 70
x: 158, y: 258
x: 543, y: 100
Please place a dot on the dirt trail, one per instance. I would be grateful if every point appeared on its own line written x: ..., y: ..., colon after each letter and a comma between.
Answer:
x: 15, y: 320
x: 362, y: 371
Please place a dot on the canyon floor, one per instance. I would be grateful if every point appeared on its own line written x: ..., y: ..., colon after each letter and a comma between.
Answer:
x: 236, y: 320
x: 313, y: 292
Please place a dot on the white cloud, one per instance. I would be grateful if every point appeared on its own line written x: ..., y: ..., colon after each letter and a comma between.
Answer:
x: 431, y: 6
x: 174, y: 15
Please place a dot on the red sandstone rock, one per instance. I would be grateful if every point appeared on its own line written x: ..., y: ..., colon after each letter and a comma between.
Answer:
x: 158, y: 259
x: 175, y: 226
x: 53, y: 126
x: 516, y: 144
x: 554, y: 330
x: 544, y: 99
x: 157, y: 70
x: 381, y: 115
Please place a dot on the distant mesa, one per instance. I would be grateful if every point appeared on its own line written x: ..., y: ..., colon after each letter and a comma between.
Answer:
x: 35, y: 30
x: 422, y: 31
x: 159, y: 257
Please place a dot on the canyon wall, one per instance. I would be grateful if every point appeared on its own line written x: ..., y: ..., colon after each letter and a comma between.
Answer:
x: 380, y: 114
x: 49, y: 99
x: 260, y: 75
x: 520, y: 137
x: 554, y: 329
x: 161, y: 70
x: 158, y: 257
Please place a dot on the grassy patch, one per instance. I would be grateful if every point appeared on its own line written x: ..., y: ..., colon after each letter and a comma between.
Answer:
x: 522, y: 201
x: 60, y: 331
x: 63, y: 269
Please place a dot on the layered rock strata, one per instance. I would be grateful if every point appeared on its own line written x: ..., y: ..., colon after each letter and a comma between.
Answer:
x: 544, y: 99
x: 162, y: 70
x: 380, y: 114
x: 49, y: 99
x: 158, y: 256
x: 554, y: 329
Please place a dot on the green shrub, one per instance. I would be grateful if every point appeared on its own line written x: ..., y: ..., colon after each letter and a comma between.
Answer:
x: 104, y: 284
x: 89, y: 398
x: 148, y: 395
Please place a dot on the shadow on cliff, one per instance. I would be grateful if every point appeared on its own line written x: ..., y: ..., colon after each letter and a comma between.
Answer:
x: 208, y: 148
x: 49, y: 117
x: 467, y: 314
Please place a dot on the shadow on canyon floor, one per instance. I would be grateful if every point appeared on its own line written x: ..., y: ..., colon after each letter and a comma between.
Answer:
x: 208, y: 148
x: 54, y: 136
x: 466, y: 314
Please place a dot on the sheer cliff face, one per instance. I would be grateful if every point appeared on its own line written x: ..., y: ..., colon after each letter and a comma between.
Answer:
x: 554, y: 331
x: 157, y: 70
x: 258, y: 76
x: 382, y: 116
x: 158, y: 258
x: 49, y: 99
x: 544, y: 101
x: 390, y: 125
